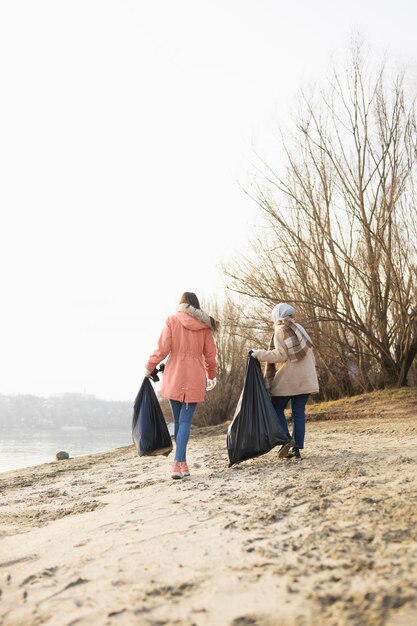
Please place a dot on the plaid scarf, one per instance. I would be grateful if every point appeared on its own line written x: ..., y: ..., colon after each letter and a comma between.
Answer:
x: 297, y: 342
x: 295, y: 338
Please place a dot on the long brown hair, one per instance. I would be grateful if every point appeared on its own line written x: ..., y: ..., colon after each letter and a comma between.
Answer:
x: 188, y: 297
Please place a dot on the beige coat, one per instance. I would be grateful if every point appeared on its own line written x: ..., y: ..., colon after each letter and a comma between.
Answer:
x: 293, y: 377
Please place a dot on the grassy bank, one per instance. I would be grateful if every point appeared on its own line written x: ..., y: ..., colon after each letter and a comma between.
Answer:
x: 388, y: 403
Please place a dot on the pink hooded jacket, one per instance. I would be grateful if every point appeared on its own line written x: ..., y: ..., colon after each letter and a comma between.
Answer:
x: 188, y: 340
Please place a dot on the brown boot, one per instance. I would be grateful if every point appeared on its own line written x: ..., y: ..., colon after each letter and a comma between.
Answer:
x: 285, y: 450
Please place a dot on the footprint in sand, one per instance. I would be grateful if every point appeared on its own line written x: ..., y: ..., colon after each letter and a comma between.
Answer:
x: 30, y: 557
x: 82, y: 543
x: 48, y: 572
x: 172, y: 591
x: 249, y: 620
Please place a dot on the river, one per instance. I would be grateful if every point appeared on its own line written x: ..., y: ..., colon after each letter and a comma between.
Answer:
x: 24, y: 447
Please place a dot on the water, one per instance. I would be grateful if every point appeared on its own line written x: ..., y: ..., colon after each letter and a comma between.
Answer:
x: 23, y: 448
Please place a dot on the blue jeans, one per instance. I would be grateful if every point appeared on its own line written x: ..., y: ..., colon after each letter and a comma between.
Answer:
x: 183, y: 414
x: 298, y: 411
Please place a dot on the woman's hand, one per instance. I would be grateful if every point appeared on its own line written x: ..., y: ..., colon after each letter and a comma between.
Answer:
x: 211, y: 384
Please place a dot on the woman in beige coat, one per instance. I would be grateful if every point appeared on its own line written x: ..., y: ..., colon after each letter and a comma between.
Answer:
x: 291, y: 371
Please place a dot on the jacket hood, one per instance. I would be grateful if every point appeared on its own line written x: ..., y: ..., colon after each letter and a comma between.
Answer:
x: 192, y: 318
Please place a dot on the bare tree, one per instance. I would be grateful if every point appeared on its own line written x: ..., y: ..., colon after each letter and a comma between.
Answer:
x: 343, y: 229
x: 232, y: 350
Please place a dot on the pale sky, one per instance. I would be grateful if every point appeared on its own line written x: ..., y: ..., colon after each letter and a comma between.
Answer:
x: 126, y: 130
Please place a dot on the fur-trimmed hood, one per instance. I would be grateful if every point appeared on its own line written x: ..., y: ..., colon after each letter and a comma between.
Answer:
x: 198, y: 314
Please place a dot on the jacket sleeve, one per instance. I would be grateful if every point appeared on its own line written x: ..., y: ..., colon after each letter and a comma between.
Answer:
x: 279, y: 355
x: 210, y: 353
x: 163, y: 349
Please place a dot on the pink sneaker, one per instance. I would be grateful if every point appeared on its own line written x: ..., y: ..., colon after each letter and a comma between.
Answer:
x: 184, y: 468
x: 176, y: 471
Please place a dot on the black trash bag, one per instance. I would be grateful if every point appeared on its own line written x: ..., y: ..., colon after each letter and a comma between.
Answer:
x: 255, y: 428
x: 149, y: 430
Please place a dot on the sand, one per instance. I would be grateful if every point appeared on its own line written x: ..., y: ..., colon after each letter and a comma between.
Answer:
x: 111, y: 539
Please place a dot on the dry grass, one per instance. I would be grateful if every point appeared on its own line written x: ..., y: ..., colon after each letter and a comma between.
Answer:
x: 399, y: 402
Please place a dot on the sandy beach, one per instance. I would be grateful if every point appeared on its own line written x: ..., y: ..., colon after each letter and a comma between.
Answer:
x: 111, y: 539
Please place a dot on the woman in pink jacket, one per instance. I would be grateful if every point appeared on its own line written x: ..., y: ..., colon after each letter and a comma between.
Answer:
x: 189, y: 371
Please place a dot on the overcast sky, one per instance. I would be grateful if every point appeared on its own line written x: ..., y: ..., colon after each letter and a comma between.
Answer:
x: 126, y: 131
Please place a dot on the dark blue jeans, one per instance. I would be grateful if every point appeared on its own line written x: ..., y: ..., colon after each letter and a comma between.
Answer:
x: 298, y: 411
x: 183, y: 414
